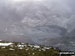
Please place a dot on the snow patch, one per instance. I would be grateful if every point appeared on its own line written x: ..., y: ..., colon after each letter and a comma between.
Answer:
x: 5, y: 44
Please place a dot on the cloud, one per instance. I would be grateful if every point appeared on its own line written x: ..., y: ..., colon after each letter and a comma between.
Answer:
x: 32, y: 18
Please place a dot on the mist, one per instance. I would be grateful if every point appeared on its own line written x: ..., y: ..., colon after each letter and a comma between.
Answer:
x: 36, y: 21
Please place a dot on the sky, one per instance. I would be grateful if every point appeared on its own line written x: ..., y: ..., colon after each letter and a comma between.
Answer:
x: 36, y: 19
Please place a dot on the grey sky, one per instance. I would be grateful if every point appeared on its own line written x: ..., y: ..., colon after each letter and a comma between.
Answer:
x: 36, y: 19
